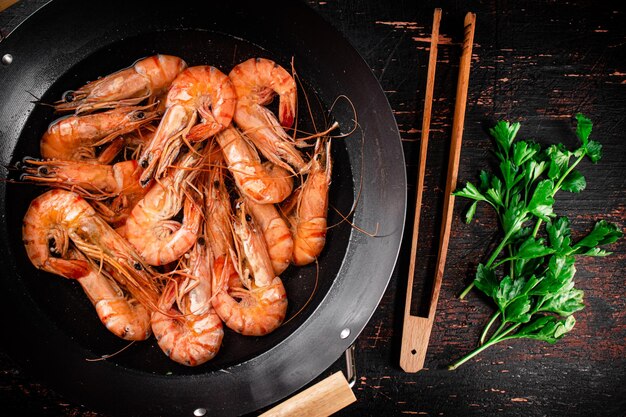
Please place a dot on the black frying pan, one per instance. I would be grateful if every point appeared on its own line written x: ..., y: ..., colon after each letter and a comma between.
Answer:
x: 48, y: 323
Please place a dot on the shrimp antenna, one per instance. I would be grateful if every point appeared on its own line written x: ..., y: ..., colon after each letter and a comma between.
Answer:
x: 358, y: 195
x: 354, y: 112
x: 37, y: 100
x: 308, y: 301
x: 295, y: 76
x: 108, y: 356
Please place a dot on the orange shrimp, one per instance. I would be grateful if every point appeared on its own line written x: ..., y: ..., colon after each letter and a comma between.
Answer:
x: 58, y: 218
x: 245, y: 306
x: 147, y: 78
x: 308, y: 222
x: 203, y: 91
x: 254, y: 311
x: 256, y: 81
x: 122, y: 316
x: 262, y: 183
x: 187, y: 328
x: 75, y: 138
x: 149, y: 227
x: 256, y: 258
x: 114, y: 189
x: 276, y: 233
x: 218, y: 226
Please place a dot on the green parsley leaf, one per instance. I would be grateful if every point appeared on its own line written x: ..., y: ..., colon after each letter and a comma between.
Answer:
x: 470, y: 191
x: 603, y: 233
x: 546, y: 328
x: 541, y: 202
x: 533, y: 248
x: 508, y: 174
x: 504, y: 133
x: 486, y: 281
x: 559, y: 276
x: 524, y: 151
x: 559, y: 235
x: 583, y: 128
x: 469, y: 215
x: 574, y: 182
x: 559, y: 158
x: 563, y: 303
x: 594, y: 151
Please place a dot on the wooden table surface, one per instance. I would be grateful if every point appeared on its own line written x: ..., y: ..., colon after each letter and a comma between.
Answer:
x: 537, y: 62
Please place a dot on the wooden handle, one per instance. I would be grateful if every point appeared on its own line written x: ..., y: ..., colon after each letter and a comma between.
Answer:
x: 416, y: 330
x: 5, y: 4
x: 322, y: 399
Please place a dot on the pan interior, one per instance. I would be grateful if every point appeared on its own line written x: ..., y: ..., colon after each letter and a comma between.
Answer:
x: 64, y: 302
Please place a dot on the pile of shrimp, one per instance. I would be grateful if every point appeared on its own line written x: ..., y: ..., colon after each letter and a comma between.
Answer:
x: 178, y: 198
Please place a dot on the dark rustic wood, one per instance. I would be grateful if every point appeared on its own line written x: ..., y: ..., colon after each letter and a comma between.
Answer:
x: 537, y: 62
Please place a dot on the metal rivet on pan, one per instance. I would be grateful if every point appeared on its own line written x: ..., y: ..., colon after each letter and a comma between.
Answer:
x: 7, y: 59
x: 344, y: 333
x: 199, y: 412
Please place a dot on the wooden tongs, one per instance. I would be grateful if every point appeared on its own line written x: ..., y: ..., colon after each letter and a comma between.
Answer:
x: 416, y: 330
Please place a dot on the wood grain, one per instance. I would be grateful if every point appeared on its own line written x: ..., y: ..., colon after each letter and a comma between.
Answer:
x: 5, y: 4
x: 416, y: 330
x: 322, y: 399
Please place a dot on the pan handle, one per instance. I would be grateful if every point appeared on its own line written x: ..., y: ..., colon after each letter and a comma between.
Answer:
x: 322, y: 399
x: 350, y: 366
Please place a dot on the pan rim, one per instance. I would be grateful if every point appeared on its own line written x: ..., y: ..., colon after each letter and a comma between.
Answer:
x: 315, y: 321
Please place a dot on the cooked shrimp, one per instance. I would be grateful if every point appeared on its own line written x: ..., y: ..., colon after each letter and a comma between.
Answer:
x: 187, y: 328
x: 252, y: 311
x: 276, y: 233
x: 146, y: 79
x: 58, y: 218
x: 256, y: 81
x: 75, y: 138
x: 202, y: 91
x: 218, y: 226
x: 262, y: 183
x: 218, y: 211
x: 308, y: 222
x: 150, y: 228
x: 253, y: 250
x: 122, y: 316
x: 114, y: 189
x: 256, y: 311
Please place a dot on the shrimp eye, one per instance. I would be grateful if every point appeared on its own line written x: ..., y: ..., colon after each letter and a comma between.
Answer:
x: 68, y: 97
x: 138, y: 266
x: 318, y: 157
x: 42, y: 170
x: 248, y: 218
x: 52, y: 246
x: 140, y: 115
x: 201, y: 241
x: 144, y: 163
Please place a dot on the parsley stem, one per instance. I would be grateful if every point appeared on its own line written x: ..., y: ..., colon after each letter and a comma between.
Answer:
x: 491, y: 260
x: 470, y: 355
x: 495, y: 339
x: 505, y: 333
x: 483, y: 336
x: 537, y: 226
x: 557, y: 187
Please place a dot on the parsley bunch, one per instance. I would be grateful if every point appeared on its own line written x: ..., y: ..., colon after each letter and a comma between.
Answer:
x: 530, y: 278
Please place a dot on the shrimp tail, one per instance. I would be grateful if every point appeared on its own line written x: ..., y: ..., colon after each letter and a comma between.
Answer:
x: 72, y: 269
